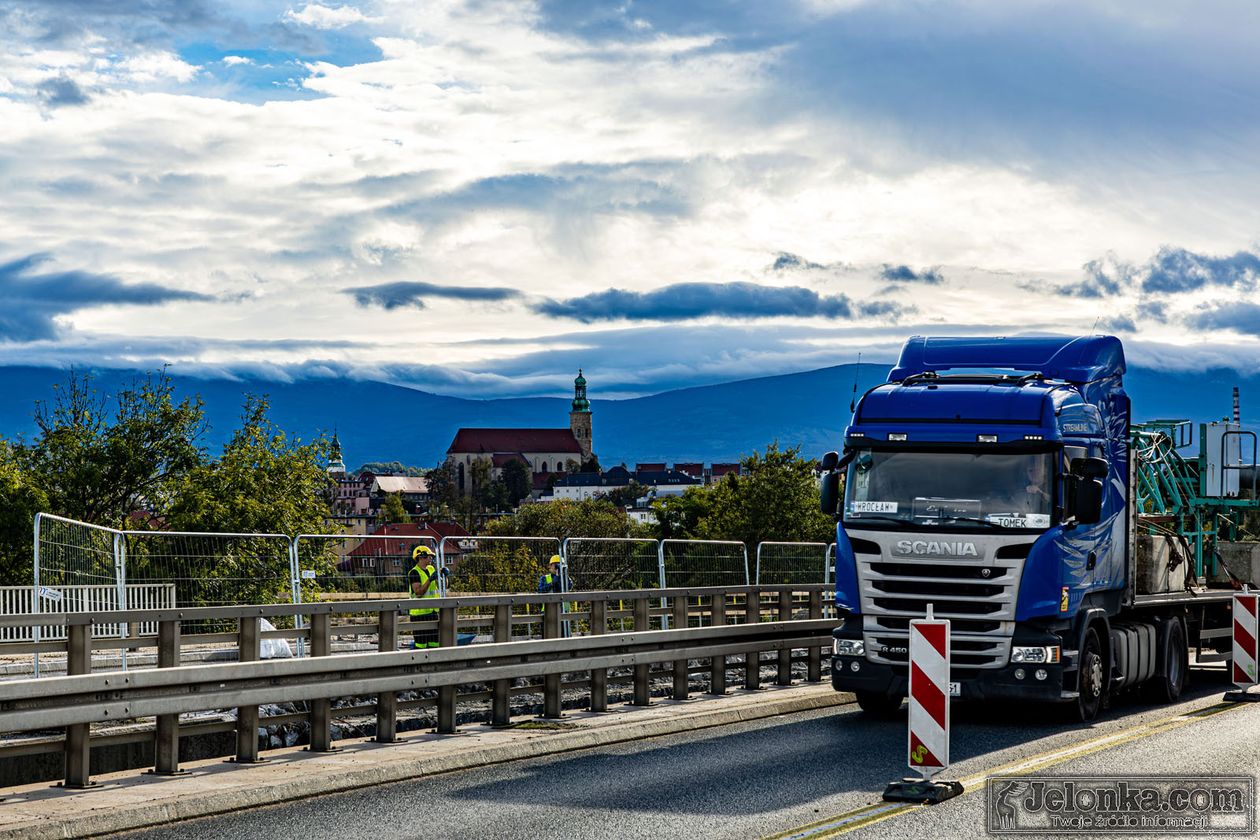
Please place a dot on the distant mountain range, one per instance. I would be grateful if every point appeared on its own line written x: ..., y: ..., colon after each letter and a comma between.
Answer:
x: 381, y: 422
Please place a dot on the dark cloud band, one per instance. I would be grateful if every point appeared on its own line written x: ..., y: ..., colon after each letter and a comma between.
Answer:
x: 413, y: 294
x: 33, y: 300
x: 689, y: 301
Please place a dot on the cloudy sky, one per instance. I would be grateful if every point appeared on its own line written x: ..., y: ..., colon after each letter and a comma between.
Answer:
x: 477, y: 197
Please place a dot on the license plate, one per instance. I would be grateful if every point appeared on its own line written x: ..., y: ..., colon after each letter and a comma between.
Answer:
x: 955, y: 689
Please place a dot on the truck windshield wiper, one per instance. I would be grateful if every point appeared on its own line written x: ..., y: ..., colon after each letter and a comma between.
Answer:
x: 975, y: 519
x: 857, y: 520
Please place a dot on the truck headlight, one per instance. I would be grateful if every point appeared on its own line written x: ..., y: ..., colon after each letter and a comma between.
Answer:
x: 1048, y: 654
x: 848, y: 647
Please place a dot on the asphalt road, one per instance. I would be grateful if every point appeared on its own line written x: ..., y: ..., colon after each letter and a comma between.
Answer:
x: 762, y: 778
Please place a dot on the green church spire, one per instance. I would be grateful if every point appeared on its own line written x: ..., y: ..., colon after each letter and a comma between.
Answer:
x: 580, y: 402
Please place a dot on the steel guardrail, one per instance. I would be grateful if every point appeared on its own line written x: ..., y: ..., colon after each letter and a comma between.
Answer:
x: 100, y: 698
x: 83, y: 698
x: 382, y: 605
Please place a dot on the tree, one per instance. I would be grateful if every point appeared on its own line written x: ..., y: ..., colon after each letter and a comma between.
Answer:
x: 776, y: 498
x: 679, y: 517
x: 262, y: 483
x: 100, y: 466
x: 443, y: 494
x: 628, y: 495
x: 392, y: 510
x: 390, y: 468
x: 20, y: 500
x: 517, y: 481
x: 567, y: 518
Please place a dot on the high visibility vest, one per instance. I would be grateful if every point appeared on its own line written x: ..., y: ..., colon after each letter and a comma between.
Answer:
x: 431, y: 592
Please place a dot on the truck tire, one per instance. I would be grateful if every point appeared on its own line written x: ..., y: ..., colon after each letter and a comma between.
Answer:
x: 1091, y: 678
x: 878, y: 704
x: 1175, y: 664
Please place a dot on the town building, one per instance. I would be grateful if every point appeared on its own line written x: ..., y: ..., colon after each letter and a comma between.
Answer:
x: 387, y: 551
x: 548, y: 453
x: 589, y: 485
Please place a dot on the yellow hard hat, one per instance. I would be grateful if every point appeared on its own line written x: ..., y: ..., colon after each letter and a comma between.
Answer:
x: 421, y: 551
x: 555, y: 558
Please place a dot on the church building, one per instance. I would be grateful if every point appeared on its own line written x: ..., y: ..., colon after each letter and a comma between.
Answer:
x: 546, y: 452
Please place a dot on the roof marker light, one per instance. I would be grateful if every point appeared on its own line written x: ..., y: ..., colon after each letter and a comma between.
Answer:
x: 986, y: 438
x: 897, y: 436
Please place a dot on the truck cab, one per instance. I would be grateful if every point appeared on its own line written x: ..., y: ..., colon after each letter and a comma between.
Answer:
x: 989, y: 478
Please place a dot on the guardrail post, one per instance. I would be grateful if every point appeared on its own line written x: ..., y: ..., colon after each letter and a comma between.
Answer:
x: 599, y: 676
x: 717, y: 670
x: 387, y: 701
x: 784, y: 676
x: 321, y: 710
x: 681, y: 677
x: 446, y: 693
x: 642, y: 690
x: 501, y: 697
x: 815, y: 653
x: 752, y: 659
x: 247, y: 716
x: 551, y: 682
x: 166, y: 745
x: 78, y: 736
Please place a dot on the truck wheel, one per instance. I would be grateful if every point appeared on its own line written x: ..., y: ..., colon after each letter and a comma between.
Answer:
x: 878, y: 704
x: 1091, y: 678
x: 1166, y: 687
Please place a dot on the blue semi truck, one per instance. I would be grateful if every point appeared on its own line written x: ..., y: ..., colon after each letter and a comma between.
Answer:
x: 992, y: 478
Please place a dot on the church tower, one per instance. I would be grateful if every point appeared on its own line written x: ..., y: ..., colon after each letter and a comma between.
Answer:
x: 336, y: 466
x: 580, y: 417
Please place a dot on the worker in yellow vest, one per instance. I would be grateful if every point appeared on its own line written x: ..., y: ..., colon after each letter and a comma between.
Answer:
x: 422, y: 582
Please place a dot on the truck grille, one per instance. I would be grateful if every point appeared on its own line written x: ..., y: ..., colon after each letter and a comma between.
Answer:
x: 977, y: 594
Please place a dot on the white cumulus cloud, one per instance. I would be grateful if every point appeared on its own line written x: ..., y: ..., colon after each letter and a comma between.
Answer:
x: 326, y: 17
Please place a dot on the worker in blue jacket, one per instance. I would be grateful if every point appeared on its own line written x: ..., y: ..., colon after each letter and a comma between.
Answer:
x: 550, y: 581
x: 553, y: 581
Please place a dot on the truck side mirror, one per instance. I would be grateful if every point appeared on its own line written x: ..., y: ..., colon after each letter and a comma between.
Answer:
x: 1087, y: 500
x: 830, y: 494
x: 1088, y: 467
x: 830, y: 460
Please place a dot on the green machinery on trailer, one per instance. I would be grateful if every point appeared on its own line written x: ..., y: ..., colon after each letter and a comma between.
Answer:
x: 1198, y: 502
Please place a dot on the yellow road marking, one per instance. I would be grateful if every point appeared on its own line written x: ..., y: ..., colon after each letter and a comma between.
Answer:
x: 848, y: 821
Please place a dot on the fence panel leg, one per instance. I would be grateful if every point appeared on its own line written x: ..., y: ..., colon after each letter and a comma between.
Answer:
x: 387, y: 701
x: 642, y: 690
x: 599, y: 676
x: 784, y: 676
x: 78, y: 736
x: 752, y: 659
x: 166, y: 746
x: 248, y: 650
x: 815, y: 653
x: 321, y: 710
x: 681, y: 677
x: 501, y: 698
x: 446, y: 693
x: 717, y: 675
x: 551, y: 682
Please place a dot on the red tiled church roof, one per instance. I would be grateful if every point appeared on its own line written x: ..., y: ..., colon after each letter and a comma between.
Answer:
x: 490, y: 441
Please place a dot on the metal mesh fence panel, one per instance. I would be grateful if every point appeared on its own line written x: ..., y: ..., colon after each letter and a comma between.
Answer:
x: 495, y: 565
x: 791, y: 562
x: 211, y: 570
x: 601, y: 563
x: 70, y: 553
x: 703, y: 563
x: 352, y: 566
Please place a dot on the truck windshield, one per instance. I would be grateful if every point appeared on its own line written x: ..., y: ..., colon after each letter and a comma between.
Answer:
x: 950, y: 489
